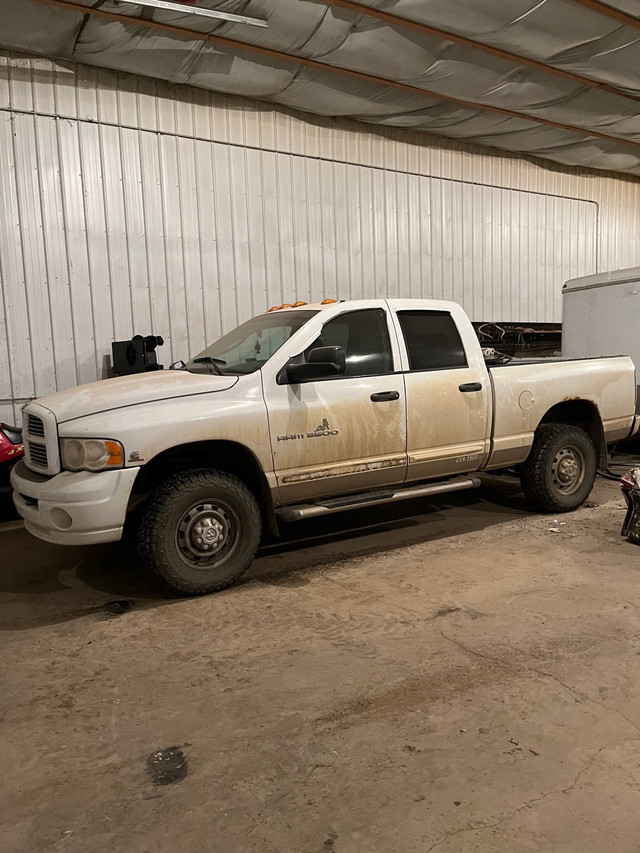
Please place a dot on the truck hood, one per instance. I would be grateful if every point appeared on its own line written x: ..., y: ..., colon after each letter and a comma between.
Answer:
x: 131, y: 391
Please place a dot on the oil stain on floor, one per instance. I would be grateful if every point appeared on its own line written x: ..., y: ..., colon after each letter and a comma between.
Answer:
x: 167, y: 766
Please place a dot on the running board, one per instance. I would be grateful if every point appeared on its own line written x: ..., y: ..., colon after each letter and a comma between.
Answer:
x: 299, y: 512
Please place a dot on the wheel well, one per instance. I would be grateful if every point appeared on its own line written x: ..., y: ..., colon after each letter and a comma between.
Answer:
x: 224, y: 456
x: 584, y: 414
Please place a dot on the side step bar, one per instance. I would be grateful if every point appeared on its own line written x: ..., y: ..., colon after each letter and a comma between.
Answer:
x: 298, y: 512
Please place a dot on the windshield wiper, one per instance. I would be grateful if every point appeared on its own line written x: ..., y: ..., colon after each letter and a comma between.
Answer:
x: 214, y: 362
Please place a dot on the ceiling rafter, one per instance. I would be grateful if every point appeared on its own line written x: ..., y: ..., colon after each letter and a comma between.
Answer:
x: 332, y: 69
x: 610, y: 12
x: 407, y: 23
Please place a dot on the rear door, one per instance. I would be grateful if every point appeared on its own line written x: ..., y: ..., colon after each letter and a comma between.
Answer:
x: 448, y: 393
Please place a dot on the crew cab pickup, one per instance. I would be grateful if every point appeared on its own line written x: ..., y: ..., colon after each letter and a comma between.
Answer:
x: 305, y: 411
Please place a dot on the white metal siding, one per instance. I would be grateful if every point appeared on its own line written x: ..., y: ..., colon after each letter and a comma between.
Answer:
x: 131, y: 206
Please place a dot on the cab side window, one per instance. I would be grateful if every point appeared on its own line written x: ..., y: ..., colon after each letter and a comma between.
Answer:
x: 364, y: 336
x: 432, y: 339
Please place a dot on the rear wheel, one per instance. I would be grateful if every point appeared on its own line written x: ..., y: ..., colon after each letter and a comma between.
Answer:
x: 200, y: 531
x: 559, y: 472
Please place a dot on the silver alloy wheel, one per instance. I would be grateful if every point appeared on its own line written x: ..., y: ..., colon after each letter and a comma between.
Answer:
x: 207, y: 534
x: 568, y: 469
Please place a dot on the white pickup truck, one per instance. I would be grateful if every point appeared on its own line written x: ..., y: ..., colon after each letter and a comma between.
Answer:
x: 303, y: 411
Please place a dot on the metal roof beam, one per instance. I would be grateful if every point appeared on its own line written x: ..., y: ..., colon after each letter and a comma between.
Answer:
x: 323, y: 66
x: 610, y: 12
x: 407, y: 23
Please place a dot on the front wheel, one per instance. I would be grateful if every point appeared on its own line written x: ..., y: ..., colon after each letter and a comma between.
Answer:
x: 200, y: 531
x: 559, y: 472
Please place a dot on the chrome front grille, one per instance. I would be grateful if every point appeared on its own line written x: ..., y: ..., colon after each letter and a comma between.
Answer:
x: 36, y: 454
x: 35, y: 426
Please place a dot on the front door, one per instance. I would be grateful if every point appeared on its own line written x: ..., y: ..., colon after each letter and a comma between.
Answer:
x: 345, y: 433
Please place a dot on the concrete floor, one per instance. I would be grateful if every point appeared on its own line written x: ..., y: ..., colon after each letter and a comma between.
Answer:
x: 461, y: 675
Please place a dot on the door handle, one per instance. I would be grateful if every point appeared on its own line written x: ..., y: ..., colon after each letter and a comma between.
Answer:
x: 470, y: 386
x: 385, y: 396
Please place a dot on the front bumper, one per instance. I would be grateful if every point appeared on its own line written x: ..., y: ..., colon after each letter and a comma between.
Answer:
x: 73, y: 508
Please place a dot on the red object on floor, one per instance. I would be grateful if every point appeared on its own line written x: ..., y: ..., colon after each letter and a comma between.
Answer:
x: 11, y: 449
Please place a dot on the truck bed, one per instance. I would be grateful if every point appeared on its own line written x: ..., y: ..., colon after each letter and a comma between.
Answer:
x: 528, y: 389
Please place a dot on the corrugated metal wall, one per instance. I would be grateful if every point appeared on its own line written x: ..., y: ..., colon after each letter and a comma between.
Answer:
x: 130, y: 206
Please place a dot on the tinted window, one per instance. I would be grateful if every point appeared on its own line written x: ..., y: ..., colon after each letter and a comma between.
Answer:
x: 432, y: 339
x: 365, y: 339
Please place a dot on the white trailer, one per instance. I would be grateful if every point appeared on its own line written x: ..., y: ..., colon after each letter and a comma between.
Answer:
x: 601, y: 315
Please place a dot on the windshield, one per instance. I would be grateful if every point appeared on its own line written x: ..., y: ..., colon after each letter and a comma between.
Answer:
x: 248, y: 347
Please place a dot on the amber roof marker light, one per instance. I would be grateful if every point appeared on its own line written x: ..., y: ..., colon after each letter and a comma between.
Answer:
x: 298, y: 304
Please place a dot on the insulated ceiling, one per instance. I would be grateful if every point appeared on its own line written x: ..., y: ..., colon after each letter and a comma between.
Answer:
x: 558, y: 79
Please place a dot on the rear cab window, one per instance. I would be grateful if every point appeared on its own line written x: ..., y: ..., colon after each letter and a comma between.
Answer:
x: 432, y: 340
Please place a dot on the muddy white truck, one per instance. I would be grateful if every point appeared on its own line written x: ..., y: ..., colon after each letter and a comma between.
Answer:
x: 303, y: 411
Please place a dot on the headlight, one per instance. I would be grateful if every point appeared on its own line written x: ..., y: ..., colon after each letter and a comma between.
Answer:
x: 90, y: 454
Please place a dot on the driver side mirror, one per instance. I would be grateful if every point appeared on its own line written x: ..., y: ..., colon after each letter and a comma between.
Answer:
x: 322, y: 363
